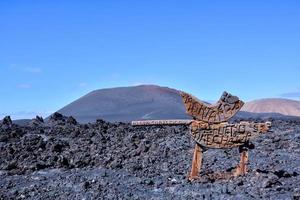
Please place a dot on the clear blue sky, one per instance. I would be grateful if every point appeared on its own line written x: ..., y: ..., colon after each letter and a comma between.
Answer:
x: 53, y: 52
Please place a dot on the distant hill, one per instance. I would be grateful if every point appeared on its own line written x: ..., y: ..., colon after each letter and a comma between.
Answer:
x: 127, y: 104
x: 281, y: 106
x: 22, y: 122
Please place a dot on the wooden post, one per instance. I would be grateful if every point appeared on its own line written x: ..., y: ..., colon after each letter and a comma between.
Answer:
x: 242, y: 167
x: 196, y: 163
x: 244, y: 161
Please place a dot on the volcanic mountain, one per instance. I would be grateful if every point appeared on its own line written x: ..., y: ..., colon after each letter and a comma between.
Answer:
x: 127, y: 103
x: 282, y: 106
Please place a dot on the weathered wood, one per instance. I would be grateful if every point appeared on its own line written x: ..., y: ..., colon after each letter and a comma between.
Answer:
x: 224, y: 135
x: 196, y: 163
x: 225, y: 108
x: 161, y: 122
x: 242, y: 166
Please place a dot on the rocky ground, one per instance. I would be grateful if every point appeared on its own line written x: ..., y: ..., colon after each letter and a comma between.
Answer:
x: 61, y: 159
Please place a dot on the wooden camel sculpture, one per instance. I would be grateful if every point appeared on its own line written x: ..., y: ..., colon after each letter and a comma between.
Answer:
x: 210, y: 129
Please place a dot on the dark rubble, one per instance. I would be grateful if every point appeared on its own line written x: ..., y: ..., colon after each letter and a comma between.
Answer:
x: 62, y: 159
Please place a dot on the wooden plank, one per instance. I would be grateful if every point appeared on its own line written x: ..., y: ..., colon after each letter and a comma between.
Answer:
x: 225, y: 135
x: 224, y: 109
x: 161, y: 122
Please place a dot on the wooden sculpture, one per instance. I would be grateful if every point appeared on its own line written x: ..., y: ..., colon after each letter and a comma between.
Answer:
x: 210, y: 129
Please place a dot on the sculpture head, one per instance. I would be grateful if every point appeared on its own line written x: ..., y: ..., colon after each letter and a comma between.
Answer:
x: 228, y: 98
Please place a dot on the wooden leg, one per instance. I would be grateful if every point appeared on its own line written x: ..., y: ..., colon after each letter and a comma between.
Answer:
x: 242, y: 167
x: 244, y: 162
x: 196, y: 163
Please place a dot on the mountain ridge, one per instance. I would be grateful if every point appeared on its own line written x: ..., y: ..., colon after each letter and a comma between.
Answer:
x: 273, y: 105
x: 154, y: 102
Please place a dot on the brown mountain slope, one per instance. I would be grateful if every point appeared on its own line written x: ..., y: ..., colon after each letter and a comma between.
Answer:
x: 275, y: 105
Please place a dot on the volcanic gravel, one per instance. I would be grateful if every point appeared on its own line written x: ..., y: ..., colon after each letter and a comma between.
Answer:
x: 61, y: 159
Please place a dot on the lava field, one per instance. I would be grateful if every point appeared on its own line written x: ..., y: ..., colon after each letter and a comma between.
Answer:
x: 62, y: 159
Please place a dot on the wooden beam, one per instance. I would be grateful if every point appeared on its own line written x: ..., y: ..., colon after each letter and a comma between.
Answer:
x: 161, y: 122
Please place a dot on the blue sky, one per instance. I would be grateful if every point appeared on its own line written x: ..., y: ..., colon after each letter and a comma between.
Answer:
x: 53, y: 52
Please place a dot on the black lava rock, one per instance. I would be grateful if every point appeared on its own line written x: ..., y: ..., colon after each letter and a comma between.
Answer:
x: 7, y: 121
x: 62, y: 159
x: 56, y: 116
